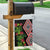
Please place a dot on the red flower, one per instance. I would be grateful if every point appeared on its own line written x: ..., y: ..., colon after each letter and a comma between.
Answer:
x: 20, y: 24
x: 15, y: 25
x: 21, y: 32
x: 22, y: 40
x: 16, y: 33
x: 24, y: 44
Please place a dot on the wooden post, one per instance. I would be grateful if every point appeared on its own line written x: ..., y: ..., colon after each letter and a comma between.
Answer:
x: 10, y: 18
x: 10, y: 29
x: 10, y: 26
x: 10, y: 34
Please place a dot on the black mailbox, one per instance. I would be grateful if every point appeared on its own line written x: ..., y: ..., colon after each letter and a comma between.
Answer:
x: 23, y: 8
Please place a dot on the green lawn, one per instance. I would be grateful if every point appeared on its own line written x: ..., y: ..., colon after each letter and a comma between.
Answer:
x: 20, y: 0
x: 24, y: 49
x: 4, y: 1
x: 45, y: 4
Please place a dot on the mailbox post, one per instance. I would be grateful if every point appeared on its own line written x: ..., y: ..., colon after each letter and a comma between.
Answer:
x: 15, y: 11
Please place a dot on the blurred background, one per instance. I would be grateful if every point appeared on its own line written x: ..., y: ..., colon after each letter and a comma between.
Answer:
x: 19, y: 0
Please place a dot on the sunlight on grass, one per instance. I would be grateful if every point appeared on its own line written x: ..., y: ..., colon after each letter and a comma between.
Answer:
x: 45, y: 4
x: 24, y: 49
x: 4, y: 1
x: 20, y: 0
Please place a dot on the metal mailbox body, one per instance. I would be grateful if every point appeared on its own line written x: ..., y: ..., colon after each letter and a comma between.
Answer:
x: 23, y: 8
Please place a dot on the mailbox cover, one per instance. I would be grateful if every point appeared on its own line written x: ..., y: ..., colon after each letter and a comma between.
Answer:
x: 21, y: 8
x: 23, y: 32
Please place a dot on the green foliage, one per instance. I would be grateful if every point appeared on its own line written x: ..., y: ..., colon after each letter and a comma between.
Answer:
x: 5, y: 1
x: 20, y: 0
x: 24, y: 49
x: 19, y: 37
x: 45, y: 4
x: 18, y: 29
x: 20, y: 44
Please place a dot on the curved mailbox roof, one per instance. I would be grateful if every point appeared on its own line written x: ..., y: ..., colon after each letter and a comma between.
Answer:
x: 20, y: 8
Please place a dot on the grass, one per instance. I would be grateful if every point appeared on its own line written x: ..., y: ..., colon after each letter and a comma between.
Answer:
x: 4, y: 1
x: 45, y: 4
x: 24, y: 49
x: 20, y: 0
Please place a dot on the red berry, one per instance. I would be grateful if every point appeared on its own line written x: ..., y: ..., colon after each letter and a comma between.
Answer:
x: 15, y: 25
x: 21, y: 32
x: 16, y: 33
x: 24, y: 44
x: 22, y: 40
x: 20, y: 24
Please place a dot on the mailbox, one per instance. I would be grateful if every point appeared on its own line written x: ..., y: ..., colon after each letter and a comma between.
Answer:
x: 20, y: 8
